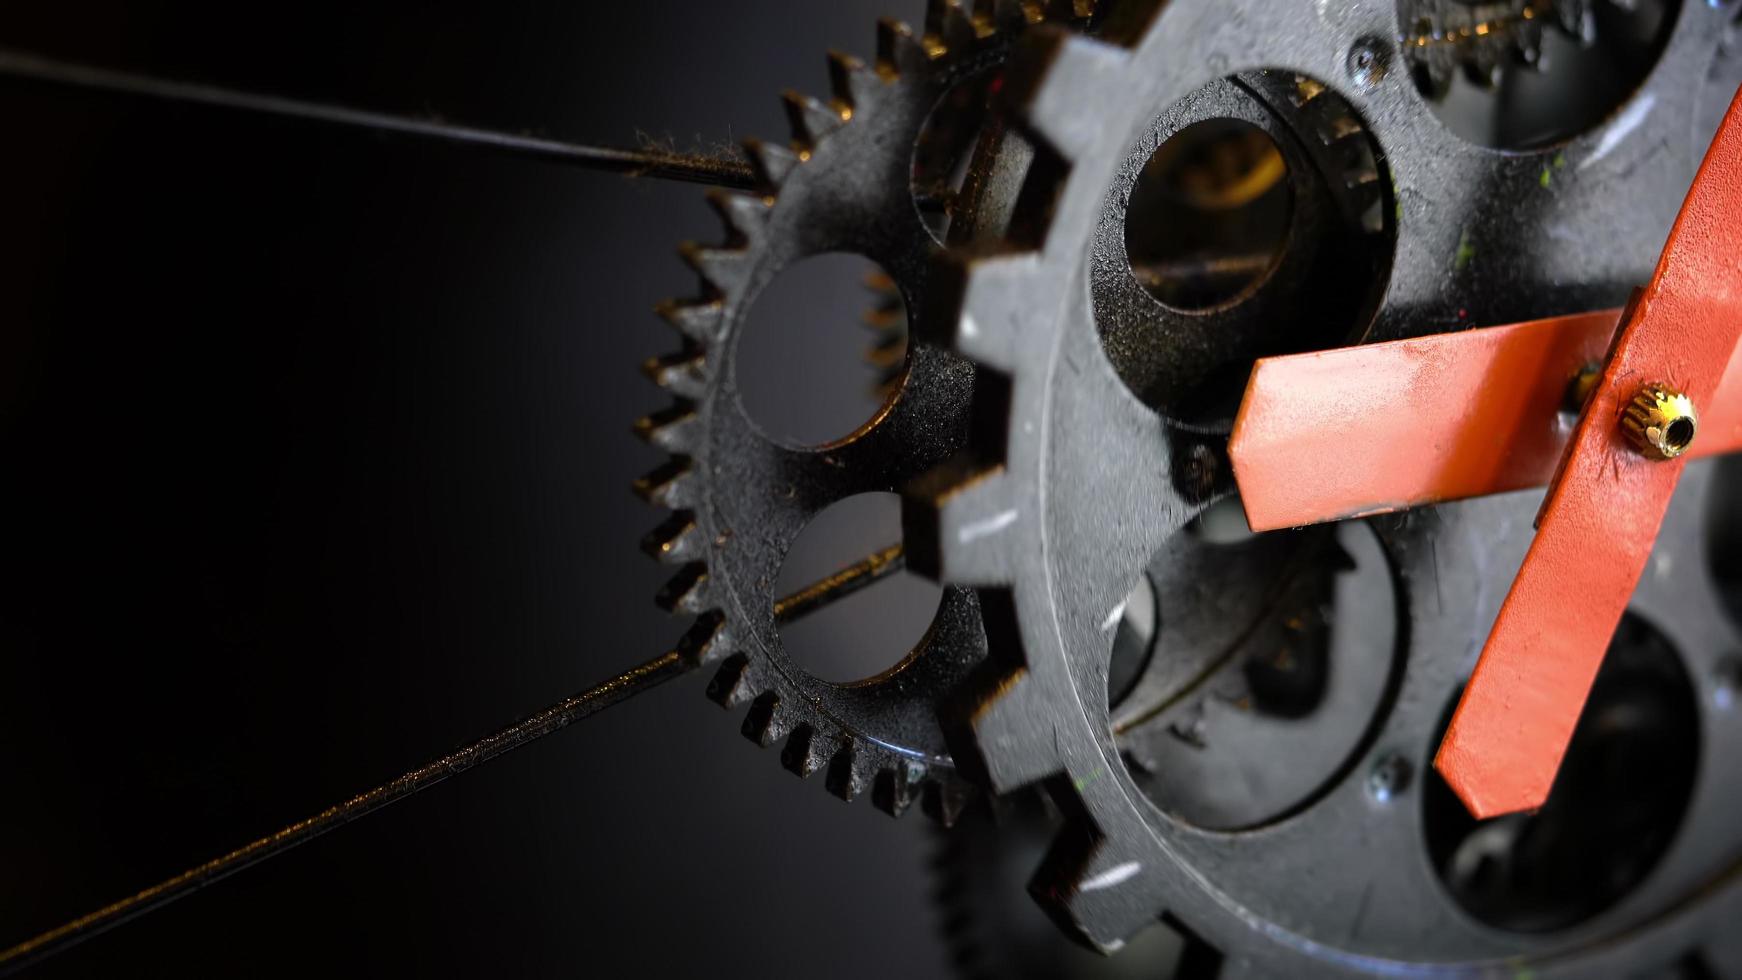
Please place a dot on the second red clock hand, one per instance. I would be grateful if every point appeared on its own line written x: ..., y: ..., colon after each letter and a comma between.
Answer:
x: 1603, y: 509
x: 1605, y: 502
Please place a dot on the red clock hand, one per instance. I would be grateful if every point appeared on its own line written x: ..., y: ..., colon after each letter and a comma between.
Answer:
x: 1465, y: 415
x: 1603, y: 509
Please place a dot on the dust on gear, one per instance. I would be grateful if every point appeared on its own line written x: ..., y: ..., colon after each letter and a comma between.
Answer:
x: 739, y: 498
x: 1092, y: 475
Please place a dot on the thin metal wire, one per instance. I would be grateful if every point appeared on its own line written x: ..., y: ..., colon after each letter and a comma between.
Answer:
x: 552, y: 719
x: 876, y: 567
x: 555, y: 718
x: 722, y: 171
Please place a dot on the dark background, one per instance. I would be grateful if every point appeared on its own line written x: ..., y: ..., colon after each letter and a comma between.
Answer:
x: 314, y: 463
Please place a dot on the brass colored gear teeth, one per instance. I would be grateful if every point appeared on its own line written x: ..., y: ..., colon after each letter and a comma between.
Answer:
x: 676, y: 541
x: 955, y: 33
x: 673, y: 485
x: 813, y: 120
x: 687, y: 592
x: 887, y: 321
x: 673, y: 429
x: 1347, y: 150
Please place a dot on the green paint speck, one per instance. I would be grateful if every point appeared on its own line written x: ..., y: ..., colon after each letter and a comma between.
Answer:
x: 1086, y: 780
x: 1466, y: 252
x: 1546, y: 177
x: 1560, y: 160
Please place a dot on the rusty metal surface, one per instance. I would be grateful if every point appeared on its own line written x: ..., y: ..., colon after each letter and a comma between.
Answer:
x: 1603, y: 510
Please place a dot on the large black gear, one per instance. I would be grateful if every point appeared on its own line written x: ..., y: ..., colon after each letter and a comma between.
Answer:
x: 740, y: 498
x: 1057, y: 516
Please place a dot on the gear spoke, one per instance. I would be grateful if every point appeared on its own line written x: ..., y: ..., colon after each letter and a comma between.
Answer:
x: 558, y: 716
x: 685, y: 167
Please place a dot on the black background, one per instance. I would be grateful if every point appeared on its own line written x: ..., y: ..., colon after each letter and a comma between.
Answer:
x: 315, y: 464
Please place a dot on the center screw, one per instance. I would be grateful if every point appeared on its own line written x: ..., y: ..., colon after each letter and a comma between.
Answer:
x: 1660, y: 422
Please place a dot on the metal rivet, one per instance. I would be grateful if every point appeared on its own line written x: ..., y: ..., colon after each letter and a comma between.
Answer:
x: 1660, y: 422
x: 1390, y: 777
x: 1368, y: 60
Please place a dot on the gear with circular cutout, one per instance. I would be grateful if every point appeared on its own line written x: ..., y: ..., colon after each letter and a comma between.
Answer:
x: 740, y: 498
x: 1105, y: 457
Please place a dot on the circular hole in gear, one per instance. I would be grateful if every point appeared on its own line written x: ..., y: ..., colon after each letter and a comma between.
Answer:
x: 944, y: 152
x: 1209, y: 214
x: 1724, y: 533
x: 1133, y: 641
x: 823, y: 349
x: 868, y: 631
x: 1272, y: 655
x: 1252, y: 218
x: 1527, y: 74
x: 1623, y: 789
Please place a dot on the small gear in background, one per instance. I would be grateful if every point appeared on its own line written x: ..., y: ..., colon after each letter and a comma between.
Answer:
x: 1538, y: 70
x: 740, y: 497
x: 1445, y: 38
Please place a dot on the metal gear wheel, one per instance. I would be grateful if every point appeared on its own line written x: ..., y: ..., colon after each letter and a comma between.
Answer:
x: 1444, y: 37
x: 1098, y: 469
x: 740, y: 498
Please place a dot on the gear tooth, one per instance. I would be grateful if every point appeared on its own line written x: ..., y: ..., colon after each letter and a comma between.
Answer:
x: 813, y: 120
x: 671, y: 485
x: 1362, y: 178
x: 887, y: 353
x: 677, y: 541
x: 724, y: 269
x: 697, y: 320
x: 771, y: 161
x: 731, y: 685
x: 744, y: 215
x: 1341, y: 126
x: 847, y: 774
x: 683, y: 373
x: 894, y: 790
x: 1067, y: 71
x: 885, y: 319
x: 985, y: 300
x: 899, y: 52
x: 765, y: 723
x: 673, y: 428
x: 706, y: 640
x: 959, y: 521
x: 945, y: 801
x: 852, y: 82
x: 1008, y: 748
x: 687, y: 592
x: 804, y: 752
x: 1068, y: 10
x: 1101, y: 888
x: 949, y: 26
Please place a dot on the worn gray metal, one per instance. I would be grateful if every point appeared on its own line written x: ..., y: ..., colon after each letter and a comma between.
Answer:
x: 740, y: 498
x: 1061, y: 509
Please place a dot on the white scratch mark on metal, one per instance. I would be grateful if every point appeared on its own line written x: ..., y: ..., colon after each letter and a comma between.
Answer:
x: 1112, y: 619
x: 1623, y: 127
x: 1115, y: 876
x: 991, y: 525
